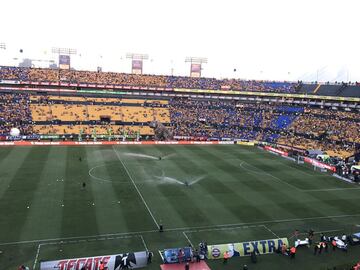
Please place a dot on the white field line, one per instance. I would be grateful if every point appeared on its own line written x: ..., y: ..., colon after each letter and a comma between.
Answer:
x: 186, y: 229
x: 301, y: 171
x: 98, y: 178
x: 87, y: 238
x: 188, y: 239
x: 299, y: 189
x: 144, y: 243
x: 223, y: 228
x: 266, y: 173
x: 36, y: 256
x: 103, y: 179
x: 319, y: 232
x: 261, y: 222
x: 138, y: 191
x: 271, y: 231
x: 329, y: 189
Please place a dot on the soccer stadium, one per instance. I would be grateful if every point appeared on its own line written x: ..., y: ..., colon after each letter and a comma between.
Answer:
x: 126, y: 169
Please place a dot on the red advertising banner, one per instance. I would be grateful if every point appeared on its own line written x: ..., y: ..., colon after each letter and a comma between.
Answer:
x: 277, y: 151
x: 37, y: 143
x: 319, y: 164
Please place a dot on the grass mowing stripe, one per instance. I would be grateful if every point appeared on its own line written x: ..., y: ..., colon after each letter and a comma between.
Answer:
x: 105, y: 200
x: 137, y: 189
x: 236, y: 200
x: 269, y: 174
x: 46, y: 209
x: 13, y: 159
x: 25, y: 182
x: 193, y: 208
x: 79, y: 216
x: 16, y: 202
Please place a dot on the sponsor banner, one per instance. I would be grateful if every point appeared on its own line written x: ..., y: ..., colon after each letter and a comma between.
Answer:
x: 244, y: 93
x: 9, y: 81
x: 6, y: 143
x: 291, y: 148
x: 246, y: 248
x: 245, y: 143
x: 270, y: 94
x: 226, y: 142
x: 69, y: 143
x: 319, y: 164
x: 277, y: 151
x: 46, y: 137
x: 38, y: 89
x: 172, y: 255
x: 111, y: 262
x: 198, y: 142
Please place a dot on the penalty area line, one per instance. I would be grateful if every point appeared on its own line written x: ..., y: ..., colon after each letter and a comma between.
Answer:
x: 188, y: 239
x: 186, y: 229
x: 271, y: 231
x: 37, y: 256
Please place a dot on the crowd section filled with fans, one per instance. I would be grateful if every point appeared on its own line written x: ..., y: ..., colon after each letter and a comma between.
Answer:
x: 336, y: 132
x: 229, y: 119
x: 15, y: 112
x: 310, y: 128
x: 112, y: 78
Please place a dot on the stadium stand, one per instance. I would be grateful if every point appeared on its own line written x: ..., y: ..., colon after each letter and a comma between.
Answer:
x: 73, y: 76
x: 306, y: 128
x: 15, y: 112
x: 80, y: 114
x: 129, y: 80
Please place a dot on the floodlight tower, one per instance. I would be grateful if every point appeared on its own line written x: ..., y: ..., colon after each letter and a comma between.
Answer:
x: 137, y: 62
x: 2, y: 46
x: 64, y: 56
x: 195, y: 65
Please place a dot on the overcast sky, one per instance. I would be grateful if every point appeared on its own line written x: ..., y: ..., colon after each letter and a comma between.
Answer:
x: 261, y: 39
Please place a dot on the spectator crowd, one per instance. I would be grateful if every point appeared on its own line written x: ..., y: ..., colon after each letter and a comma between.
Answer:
x: 123, y: 79
x: 336, y: 132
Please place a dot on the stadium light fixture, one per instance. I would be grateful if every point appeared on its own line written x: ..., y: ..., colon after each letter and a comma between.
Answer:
x: 137, y: 56
x: 196, y: 65
x: 2, y: 46
x: 66, y: 51
x: 196, y: 60
x: 137, y: 62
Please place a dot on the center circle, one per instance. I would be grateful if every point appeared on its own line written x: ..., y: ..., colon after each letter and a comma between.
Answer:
x: 96, y: 170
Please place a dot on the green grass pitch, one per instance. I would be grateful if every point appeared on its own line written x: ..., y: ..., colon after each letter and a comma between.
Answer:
x: 219, y: 193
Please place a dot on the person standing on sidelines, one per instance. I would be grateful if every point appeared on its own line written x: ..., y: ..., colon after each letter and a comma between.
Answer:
x: 226, y: 257
x: 316, y: 247
x: 292, y: 252
x: 321, y: 246
x: 333, y: 243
